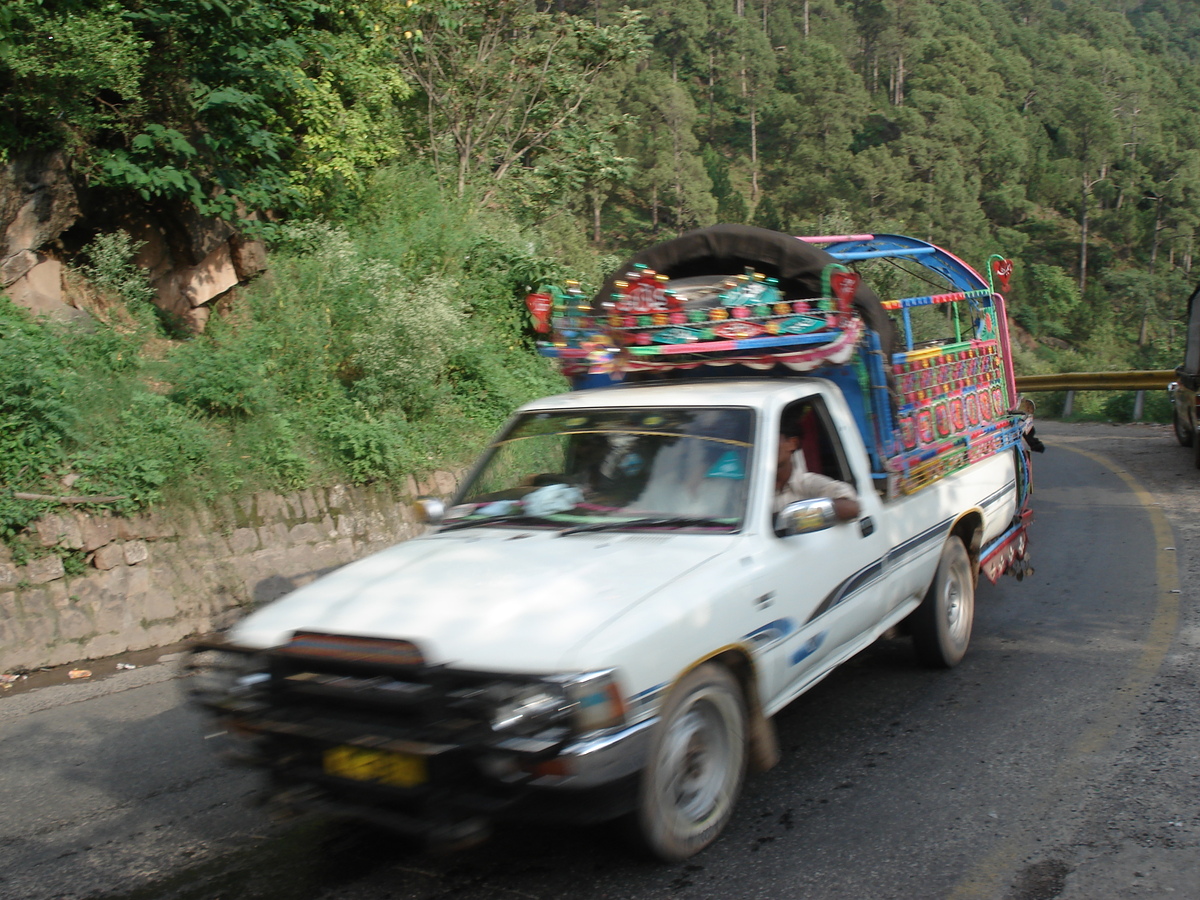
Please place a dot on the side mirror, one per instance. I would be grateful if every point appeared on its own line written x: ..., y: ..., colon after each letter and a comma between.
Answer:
x: 430, y: 510
x: 805, y: 516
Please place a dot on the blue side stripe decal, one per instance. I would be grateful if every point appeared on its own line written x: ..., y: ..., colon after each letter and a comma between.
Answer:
x: 771, y: 633
x: 872, y: 571
x: 998, y: 495
x: 902, y: 550
x: 808, y: 648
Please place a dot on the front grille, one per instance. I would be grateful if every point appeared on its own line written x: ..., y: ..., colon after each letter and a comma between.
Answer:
x: 374, y: 697
x: 418, y: 702
x: 300, y: 701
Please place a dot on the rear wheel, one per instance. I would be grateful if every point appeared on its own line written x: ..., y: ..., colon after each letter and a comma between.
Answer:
x: 1183, y: 433
x: 941, y: 625
x: 697, y: 764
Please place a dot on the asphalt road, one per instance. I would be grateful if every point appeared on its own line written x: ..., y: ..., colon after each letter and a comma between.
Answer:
x: 1061, y: 759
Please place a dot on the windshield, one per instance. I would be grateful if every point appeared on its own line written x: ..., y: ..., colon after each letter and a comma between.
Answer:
x: 588, y: 470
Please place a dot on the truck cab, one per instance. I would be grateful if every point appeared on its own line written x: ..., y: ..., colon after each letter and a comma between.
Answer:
x: 1185, y: 389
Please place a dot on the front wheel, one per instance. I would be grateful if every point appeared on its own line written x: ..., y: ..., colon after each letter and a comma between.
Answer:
x: 697, y: 764
x: 941, y: 625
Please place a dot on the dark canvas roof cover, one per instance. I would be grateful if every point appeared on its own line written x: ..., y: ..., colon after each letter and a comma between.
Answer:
x: 729, y: 249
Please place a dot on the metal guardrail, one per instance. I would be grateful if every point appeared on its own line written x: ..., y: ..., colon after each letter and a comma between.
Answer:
x: 1097, y: 381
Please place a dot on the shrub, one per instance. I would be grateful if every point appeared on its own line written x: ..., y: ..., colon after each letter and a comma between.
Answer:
x: 270, y: 451
x: 1119, y: 406
x: 151, y: 442
x: 490, y: 386
x: 223, y: 379
x: 404, y: 355
x: 102, y: 349
x: 369, y: 448
x: 36, y: 415
x: 110, y: 267
x: 386, y: 346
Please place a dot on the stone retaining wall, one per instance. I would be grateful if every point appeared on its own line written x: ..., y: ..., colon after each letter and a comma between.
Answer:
x: 157, y: 578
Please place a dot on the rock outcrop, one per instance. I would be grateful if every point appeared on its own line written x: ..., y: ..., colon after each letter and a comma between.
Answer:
x: 46, y: 215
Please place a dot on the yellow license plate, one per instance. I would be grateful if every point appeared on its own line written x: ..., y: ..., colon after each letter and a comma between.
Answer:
x: 382, y: 766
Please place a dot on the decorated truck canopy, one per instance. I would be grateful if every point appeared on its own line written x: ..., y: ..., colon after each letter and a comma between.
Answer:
x: 795, y: 268
x: 733, y: 299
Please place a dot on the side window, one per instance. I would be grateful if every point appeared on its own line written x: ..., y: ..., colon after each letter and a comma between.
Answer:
x: 809, y: 424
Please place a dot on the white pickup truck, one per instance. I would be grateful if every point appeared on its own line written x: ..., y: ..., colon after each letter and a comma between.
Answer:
x: 609, y: 613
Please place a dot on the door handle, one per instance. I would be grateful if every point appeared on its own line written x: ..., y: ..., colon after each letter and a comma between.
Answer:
x: 866, y: 526
x: 765, y: 600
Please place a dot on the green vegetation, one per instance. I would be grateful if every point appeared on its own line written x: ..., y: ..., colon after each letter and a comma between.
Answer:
x: 415, y: 166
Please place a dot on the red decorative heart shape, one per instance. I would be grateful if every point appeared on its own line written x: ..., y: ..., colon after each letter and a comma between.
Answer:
x: 844, y: 285
x: 539, y: 308
x: 1002, y: 269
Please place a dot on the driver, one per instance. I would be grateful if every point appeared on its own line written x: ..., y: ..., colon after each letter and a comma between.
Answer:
x: 794, y: 482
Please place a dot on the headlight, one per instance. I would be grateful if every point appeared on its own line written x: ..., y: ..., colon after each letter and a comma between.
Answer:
x: 596, y: 701
x: 588, y: 702
x: 214, y: 675
x: 538, y: 704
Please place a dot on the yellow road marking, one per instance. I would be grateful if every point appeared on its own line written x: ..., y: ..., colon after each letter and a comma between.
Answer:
x: 991, y: 876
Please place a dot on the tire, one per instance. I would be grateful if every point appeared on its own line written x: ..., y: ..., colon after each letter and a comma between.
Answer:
x: 941, y: 625
x: 1196, y: 452
x: 696, y: 767
x: 1183, y: 434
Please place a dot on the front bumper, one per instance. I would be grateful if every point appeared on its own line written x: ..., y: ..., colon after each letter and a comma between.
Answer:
x: 588, y: 780
x: 300, y: 721
x: 596, y: 761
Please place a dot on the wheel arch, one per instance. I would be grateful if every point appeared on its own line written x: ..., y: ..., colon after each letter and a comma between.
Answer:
x: 763, y: 746
x: 968, y: 528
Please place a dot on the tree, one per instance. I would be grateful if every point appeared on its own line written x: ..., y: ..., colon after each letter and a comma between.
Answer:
x: 681, y: 32
x: 501, y: 80
x: 756, y: 76
x: 815, y: 112
x: 1089, y: 138
x: 673, y: 178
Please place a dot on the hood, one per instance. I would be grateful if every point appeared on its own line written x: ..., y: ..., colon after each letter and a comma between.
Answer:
x: 487, y: 599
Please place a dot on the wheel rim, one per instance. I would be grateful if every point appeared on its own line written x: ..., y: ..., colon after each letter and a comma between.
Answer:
x: 956, y: 607
x: 697, y: 766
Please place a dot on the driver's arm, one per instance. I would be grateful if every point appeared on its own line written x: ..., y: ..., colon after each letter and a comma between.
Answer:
x: 845, y: 499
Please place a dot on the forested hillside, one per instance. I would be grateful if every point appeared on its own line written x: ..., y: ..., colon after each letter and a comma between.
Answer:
x: 416, y: 166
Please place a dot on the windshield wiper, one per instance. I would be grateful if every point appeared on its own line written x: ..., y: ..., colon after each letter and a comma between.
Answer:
x: 494, y: 520
x: 646, y: 522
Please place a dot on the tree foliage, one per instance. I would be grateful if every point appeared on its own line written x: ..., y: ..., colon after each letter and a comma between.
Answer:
x: 231, y: 105
x: 504, y: 83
